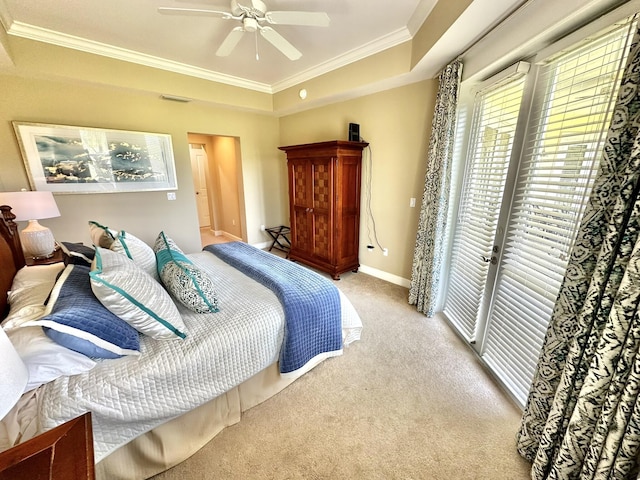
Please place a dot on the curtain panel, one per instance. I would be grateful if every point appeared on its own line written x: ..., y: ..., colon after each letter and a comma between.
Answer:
x: 429, y: 247
x: 582, y: 417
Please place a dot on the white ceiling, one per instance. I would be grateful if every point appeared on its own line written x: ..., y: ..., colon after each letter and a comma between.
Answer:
x: 135, y: 31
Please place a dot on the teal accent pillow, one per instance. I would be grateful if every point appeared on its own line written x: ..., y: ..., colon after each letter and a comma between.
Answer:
x: 133, y: 295
x: 142, y: 254
x: 188, y: 283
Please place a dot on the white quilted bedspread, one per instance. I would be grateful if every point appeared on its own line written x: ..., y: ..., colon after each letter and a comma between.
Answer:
x: 129, y: 396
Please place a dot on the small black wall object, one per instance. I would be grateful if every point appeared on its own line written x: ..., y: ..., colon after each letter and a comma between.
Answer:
x: 354, y: 132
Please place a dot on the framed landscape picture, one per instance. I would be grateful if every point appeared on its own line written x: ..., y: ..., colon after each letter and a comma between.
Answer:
x: 69, y: 159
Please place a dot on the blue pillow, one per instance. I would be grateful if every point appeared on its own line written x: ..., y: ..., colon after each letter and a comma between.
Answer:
x: 76, y: 319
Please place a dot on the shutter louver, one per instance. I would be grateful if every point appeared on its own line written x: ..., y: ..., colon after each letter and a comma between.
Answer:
x: 570, y: 117
x: 492, y: 132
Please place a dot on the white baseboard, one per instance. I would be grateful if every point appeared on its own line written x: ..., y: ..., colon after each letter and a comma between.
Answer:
x: 374, y: 272
x: 217, y: 233
x: 389, y: 277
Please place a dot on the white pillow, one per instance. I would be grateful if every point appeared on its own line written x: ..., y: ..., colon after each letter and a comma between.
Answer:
x: 133, y: 295
x: 142, y: 254
x: 29, y: 290
x: 44, y: 358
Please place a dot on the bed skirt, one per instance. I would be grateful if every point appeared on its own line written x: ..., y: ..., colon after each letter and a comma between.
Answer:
x: 175, y: 441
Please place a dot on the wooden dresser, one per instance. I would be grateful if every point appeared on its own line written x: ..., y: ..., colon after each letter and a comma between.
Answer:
x: 324, y: 203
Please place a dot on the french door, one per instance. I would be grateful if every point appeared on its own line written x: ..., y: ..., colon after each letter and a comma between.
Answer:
x: 532, y: 150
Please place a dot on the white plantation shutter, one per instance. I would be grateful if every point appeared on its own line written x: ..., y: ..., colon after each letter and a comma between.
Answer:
x: 492, y: 132
x: 571, y: 112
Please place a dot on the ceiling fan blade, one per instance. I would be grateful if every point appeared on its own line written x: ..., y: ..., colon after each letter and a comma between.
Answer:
x: 230, y: 42
x: 280, y: 43
x: 313, y: 19
x: 194, y: 11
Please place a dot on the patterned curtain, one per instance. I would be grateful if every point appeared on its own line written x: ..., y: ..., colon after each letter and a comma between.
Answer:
x: 427, y: 257
x: 582, y: 418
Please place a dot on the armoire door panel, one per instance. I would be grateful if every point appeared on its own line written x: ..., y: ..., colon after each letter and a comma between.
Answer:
x: 322, y: 184
x: 300, y: 184
x: 322, y: 237
x: 301, y: 229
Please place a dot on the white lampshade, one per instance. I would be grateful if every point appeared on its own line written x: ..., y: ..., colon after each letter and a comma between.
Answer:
x: 13, y: 375
x: 37, y: 241
x: 30, y: 205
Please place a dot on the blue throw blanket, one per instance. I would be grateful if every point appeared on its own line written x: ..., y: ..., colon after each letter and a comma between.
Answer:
x: 311, y: 303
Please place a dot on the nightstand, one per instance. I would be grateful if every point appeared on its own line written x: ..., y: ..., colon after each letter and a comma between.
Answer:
x: 62, y: 453
x: 55, y: 258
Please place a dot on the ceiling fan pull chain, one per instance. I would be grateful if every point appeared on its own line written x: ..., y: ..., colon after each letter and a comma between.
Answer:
x: 256, y: 37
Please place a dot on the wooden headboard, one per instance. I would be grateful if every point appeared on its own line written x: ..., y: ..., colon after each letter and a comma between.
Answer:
x: 11, y: 255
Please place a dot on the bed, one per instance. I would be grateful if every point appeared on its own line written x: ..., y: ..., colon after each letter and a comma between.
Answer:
x: 154, y: 407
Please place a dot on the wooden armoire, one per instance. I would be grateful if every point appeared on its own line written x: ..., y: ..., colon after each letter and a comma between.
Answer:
x: 324, y: 203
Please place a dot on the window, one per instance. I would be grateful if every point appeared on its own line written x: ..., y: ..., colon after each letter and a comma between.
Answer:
x: 550, y: 157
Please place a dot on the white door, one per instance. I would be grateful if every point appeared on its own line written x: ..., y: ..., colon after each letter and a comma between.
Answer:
x: 199, y: 164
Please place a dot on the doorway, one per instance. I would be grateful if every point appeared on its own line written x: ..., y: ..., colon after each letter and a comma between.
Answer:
x: 216, y: 167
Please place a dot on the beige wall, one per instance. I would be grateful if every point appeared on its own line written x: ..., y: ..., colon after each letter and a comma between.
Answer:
x: 396, y: 123
x: 30, y: 97
x: 225, y: 159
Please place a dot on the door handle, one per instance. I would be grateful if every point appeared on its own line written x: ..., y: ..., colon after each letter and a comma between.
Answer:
x: 493, y: 260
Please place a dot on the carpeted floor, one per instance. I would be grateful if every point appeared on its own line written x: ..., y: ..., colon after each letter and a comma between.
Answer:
x: 408, y: 401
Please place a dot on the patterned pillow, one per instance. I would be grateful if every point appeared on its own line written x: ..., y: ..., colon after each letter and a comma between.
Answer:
x: 74, y: 318
x: 100, y: 235
x: 138, y: 251
x: 190, y: 285
x: 131, y: 294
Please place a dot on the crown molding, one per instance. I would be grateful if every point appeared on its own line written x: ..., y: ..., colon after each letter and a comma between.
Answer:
x: 31, y: 32
x: 376, y: 46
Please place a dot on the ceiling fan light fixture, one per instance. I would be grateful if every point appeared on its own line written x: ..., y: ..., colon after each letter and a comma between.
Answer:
x: 250, y: 24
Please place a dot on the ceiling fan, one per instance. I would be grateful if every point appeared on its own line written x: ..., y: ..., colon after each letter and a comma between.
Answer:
x: 255, y: 19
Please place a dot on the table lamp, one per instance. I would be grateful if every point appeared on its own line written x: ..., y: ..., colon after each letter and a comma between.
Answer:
x: 13, y: 375
x: 37, y: 241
